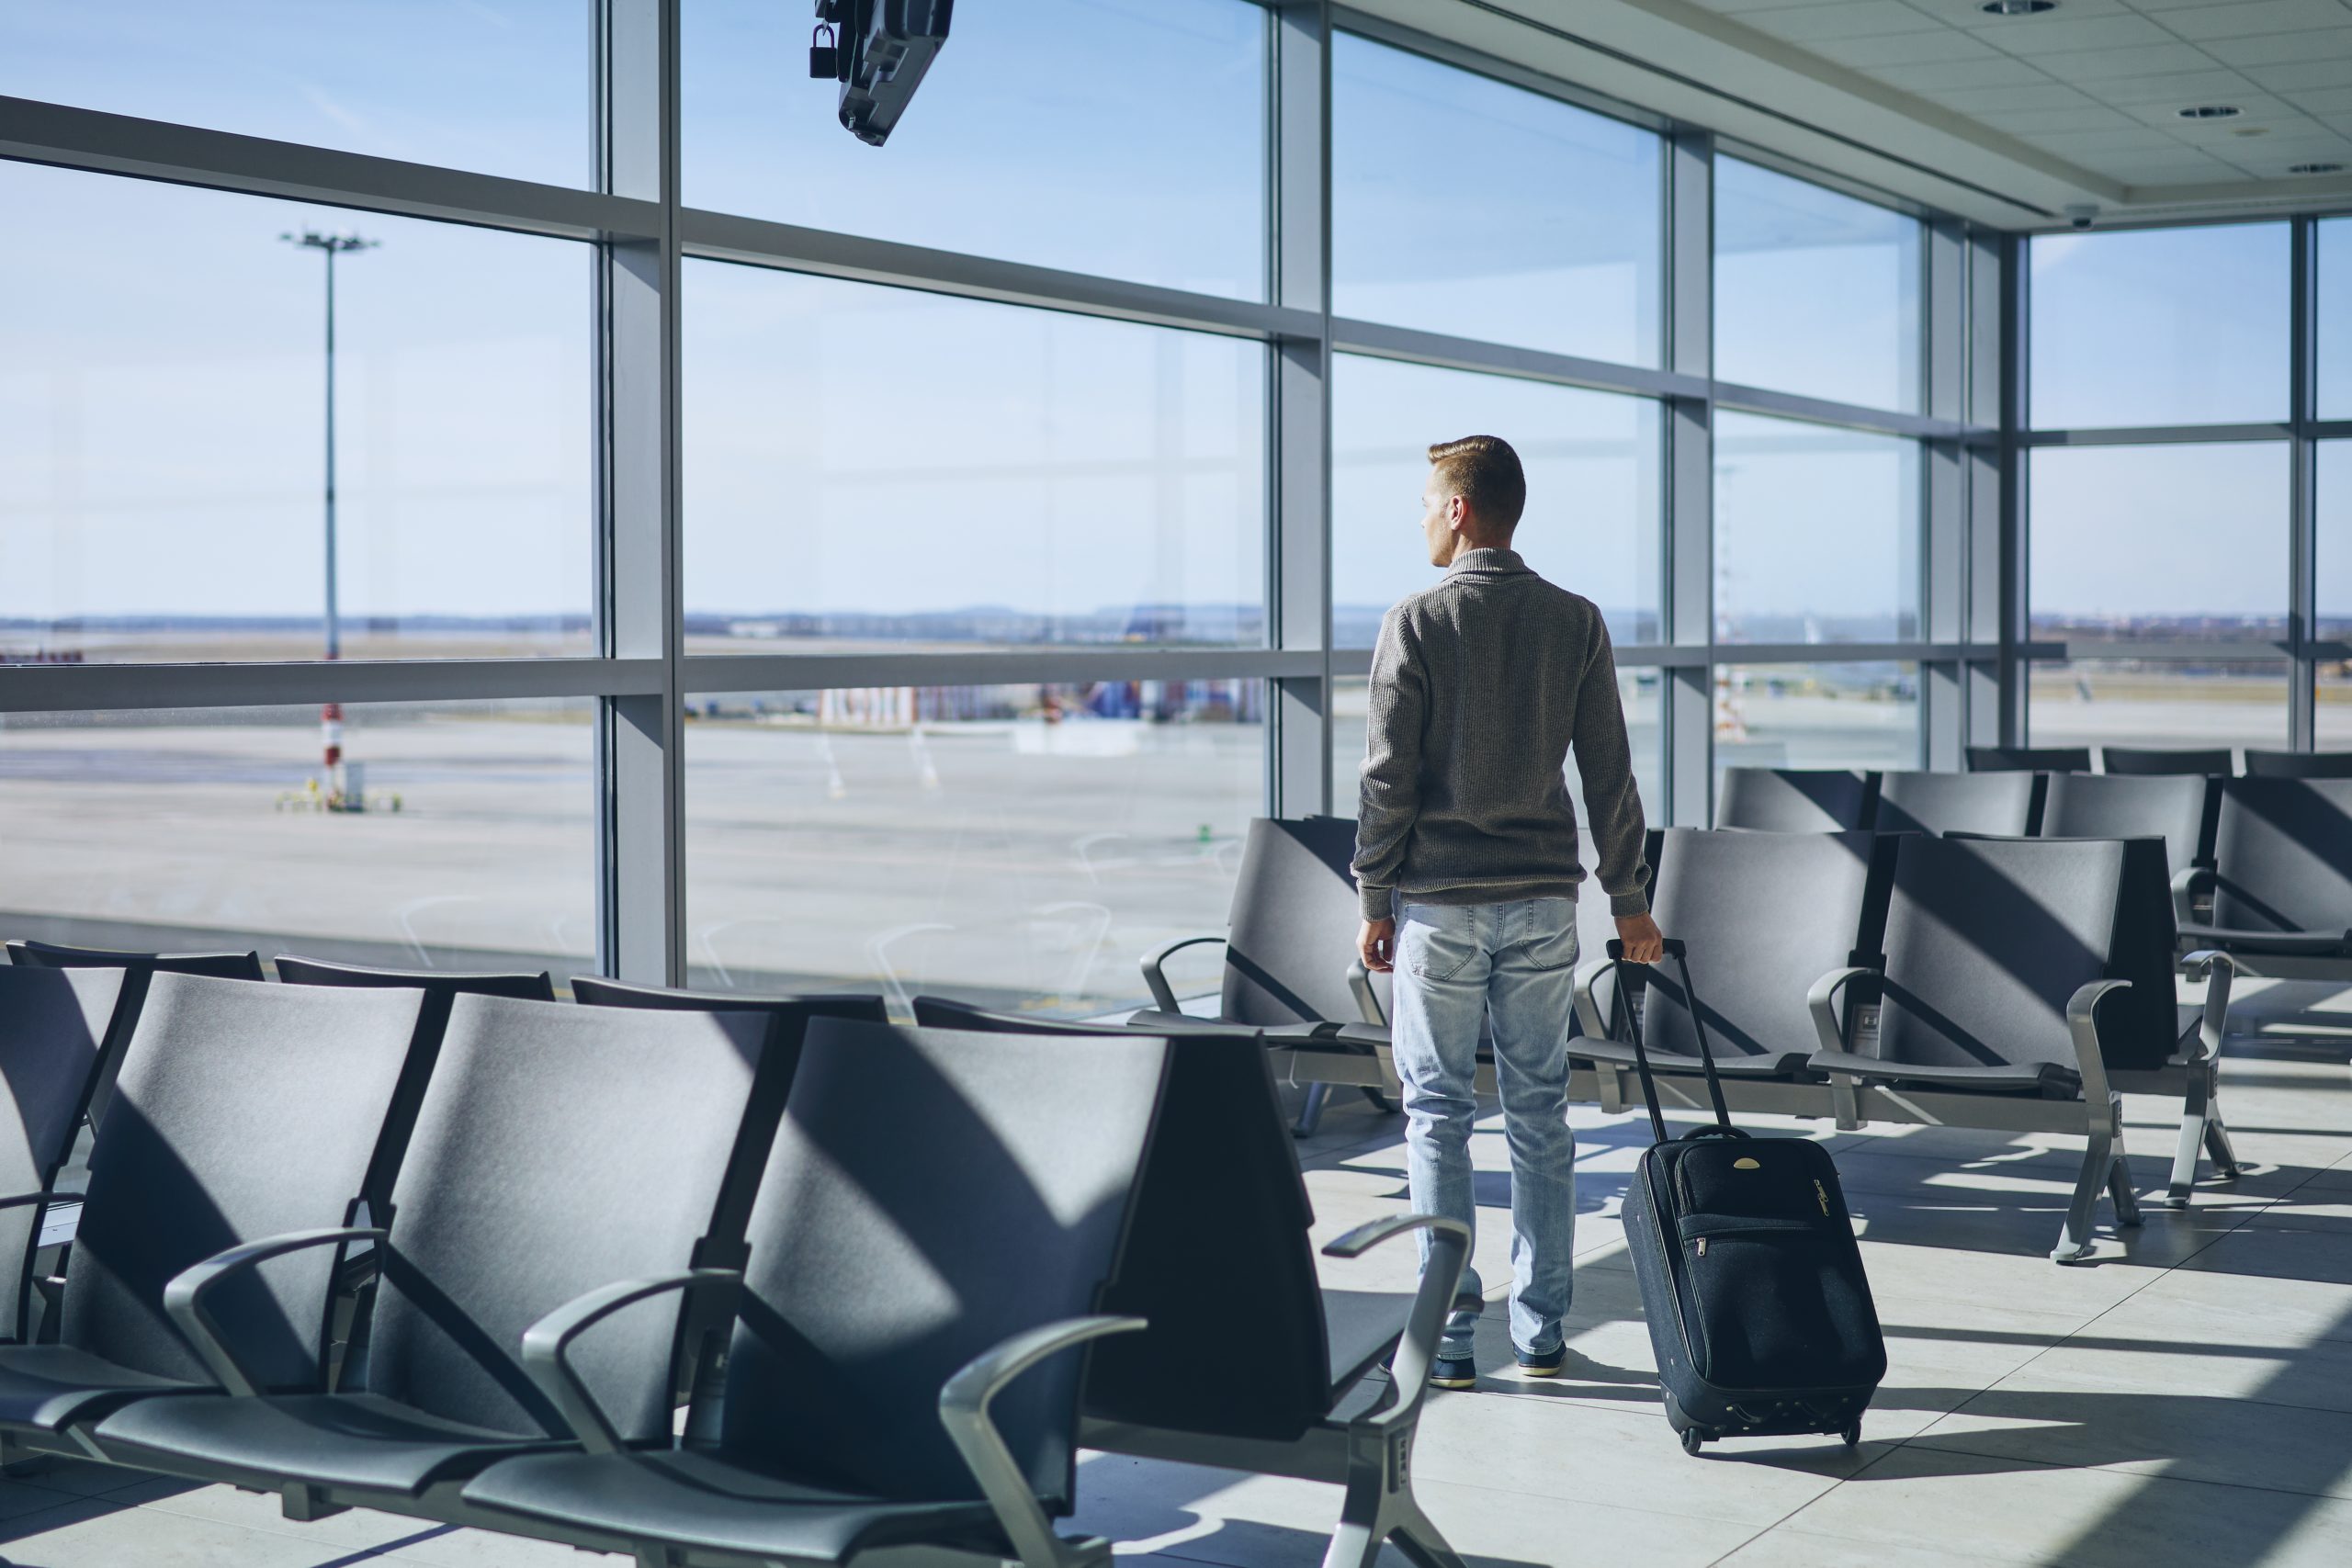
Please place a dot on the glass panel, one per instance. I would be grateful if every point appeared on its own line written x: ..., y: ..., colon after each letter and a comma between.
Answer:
x: 1817, y: 715
x: 2159, y: 327
x: 498, y: 89
x: 1592, y: 462
x: 162, y: 431
x: 1638, y: 689
x: 2333, y: 315
x: 1041, y: 135
x: 1012, y: 845
x: 2332, y: 559
x: 1460, y: 205
x: 1815, y: 292
x: 2123, y: 701
x: 1816, y: 533
x: 2174, y: 542
x: 207, y: 828
x: 869, y: 465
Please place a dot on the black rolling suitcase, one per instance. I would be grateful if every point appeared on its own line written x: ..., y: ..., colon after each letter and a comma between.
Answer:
x: 1757, y: 1306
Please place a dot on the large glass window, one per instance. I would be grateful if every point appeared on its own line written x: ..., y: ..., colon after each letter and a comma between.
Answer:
x: 1593, y: 463
x: 1463, y: 205
x: 2159, y: 327
x: 2123, y: 702
x: 1012, y: 845
x: 1815, y: 292
x: 163, y: 431
x: 207, y: 828
x: 876, y: 465
x: 2169, y: 542
x: 498, y: 89
x: 2333, y: 311
x: 1119, y: 137
x: 1816, y: 533
x: 1817, y: 715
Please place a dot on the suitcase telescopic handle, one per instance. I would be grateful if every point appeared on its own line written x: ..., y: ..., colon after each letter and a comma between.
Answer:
x: 1680, y: 952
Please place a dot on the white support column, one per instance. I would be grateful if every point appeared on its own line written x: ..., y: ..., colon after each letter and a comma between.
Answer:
x: 1299, y: 550
x: 2302, y: 551
x: 1689, y: 689
x: 1943, y: 476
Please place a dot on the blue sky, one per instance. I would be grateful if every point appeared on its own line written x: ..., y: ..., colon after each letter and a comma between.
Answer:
x: 159, y: 384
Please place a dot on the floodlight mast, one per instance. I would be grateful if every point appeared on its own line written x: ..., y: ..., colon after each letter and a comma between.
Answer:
x: 330, y: 716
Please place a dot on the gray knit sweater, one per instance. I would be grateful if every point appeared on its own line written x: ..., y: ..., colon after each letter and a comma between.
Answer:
x: 1479, y: 687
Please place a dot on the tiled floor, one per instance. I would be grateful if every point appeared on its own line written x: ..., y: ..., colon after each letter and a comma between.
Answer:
x: 2185, y: 1398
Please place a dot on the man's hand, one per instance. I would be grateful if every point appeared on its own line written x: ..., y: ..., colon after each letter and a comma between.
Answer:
x: 1377, y: 944
x: 1645, y: 944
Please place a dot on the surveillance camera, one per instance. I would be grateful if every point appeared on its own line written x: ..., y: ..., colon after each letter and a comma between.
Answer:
x: 2082, y: 215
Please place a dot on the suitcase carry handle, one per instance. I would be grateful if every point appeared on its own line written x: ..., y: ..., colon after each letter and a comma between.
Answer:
x: 1680, y: 952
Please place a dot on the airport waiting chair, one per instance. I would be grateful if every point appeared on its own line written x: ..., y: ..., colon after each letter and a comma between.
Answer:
x: 2281, y: 882
x: 54, y: 1025
x: 2179, y: 808
x: 2028, y: 758
x: 138, y: 969
x: 2211, y: 760
x: 1289, y: 937
x: 1796, y: 800
x: 982, y: 1184
x: 1993, y: 1004
x: 557, y: 1149
x: 1761, y: 914
x: 2298, y: 764
x: 241, y: 1112
x: 1222, y: 1181
x: 2005, y: 803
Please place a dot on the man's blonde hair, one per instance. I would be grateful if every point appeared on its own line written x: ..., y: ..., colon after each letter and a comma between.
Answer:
x: 1484, y: 471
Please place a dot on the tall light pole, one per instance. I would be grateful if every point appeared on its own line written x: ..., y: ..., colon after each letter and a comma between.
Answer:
x: 330, y: 716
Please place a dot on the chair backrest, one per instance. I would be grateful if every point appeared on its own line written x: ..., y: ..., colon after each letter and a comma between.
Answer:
x: 1293, y: 928
x: 2282, y: 855
x: 242, y: 1111
x: 137, y: 968
x: 2298, y: 764
x: 1765, y: 915
x: 1796, y: 800
x: 2178, y: 809
x: 2213, y: 761
x: 1986, y: 941
x: 1959, y: 802
x: 53, y: 1028
x: 2028, y: 758
x: 559, y: 1149
x: 932, y: 1193
x: 1222, y: 1182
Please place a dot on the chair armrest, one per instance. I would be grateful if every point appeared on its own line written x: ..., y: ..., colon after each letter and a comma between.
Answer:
x: 1822, y: 1002
x: 1588, y: 1008
x: 2190, y: 881
x: 964, y: 1411
x: 2081, y: 1024
x: 1163, y: 996
x: 2310, y: 944
x: 547, y: 1342
x: 184, y: 1297
x: 1367, y: 999
x: 2218, y: 971
x: 1440, y: 1278
x: 21, y: 1198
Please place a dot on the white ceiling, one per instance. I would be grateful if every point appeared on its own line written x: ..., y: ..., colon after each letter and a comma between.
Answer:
x: 1994, y: 117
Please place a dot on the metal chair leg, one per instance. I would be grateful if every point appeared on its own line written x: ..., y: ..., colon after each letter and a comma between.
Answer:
x: 1419, y: 1541
x: 1310, y: 1115
x: 2119, y: 1187
x: 2074, y: 1240
x: 2217, y: 1143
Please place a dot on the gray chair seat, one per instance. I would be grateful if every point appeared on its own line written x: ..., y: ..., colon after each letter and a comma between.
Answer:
x: 1729, y: 1064
x: 360, y: 1440
x: 696, y: 1499
x: 2049, y: 1079
x: 49, y: 1386
x: 1158, y: 1020
x: 1361, y: 1327
x: 2298, y: 944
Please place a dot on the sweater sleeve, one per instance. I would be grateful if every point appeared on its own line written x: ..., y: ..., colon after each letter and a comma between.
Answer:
x: 1612, y: 804
x: 1391, y: 796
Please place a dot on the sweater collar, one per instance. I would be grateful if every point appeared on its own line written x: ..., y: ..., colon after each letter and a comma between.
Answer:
x: 1494, y: 561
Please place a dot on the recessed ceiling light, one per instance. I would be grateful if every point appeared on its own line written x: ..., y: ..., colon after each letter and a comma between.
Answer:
x: 2316, y: 169
x: 2211, y: 111
x: 2018, y: 7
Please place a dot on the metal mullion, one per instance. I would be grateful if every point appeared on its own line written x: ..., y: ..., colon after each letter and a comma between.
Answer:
x: 1462, y: 56
x: 2154, y: 650
x: 2013, y: 588
x: 92, y: 140
x: 1686, y: 694
x: 710, y: 674
x: 1942, y: 531
x: 1821, y: 410
x: 2160, y: 434
x: 1413, y: 346
x: 2302, y: 545
x: 124, y: 688
x: 757, y: 241
x: 1982, y: 597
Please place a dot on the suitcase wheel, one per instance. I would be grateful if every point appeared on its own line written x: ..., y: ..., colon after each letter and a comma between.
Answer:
x: 1693, y: 1439
x: 1853, y: 1433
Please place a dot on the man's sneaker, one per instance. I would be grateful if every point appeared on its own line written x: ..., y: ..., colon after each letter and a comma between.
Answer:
x: 1545, y: 1365
x: 1453, y: 1372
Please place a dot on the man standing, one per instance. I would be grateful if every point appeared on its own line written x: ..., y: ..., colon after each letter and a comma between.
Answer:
x: 1466, y: 859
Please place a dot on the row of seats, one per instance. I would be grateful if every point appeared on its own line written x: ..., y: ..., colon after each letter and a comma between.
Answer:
x: 2135, y: 761
x: 2179, y: 808
x: 437, y: 1245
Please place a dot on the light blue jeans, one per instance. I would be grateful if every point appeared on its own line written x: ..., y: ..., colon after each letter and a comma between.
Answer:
x: 1515, y: 963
